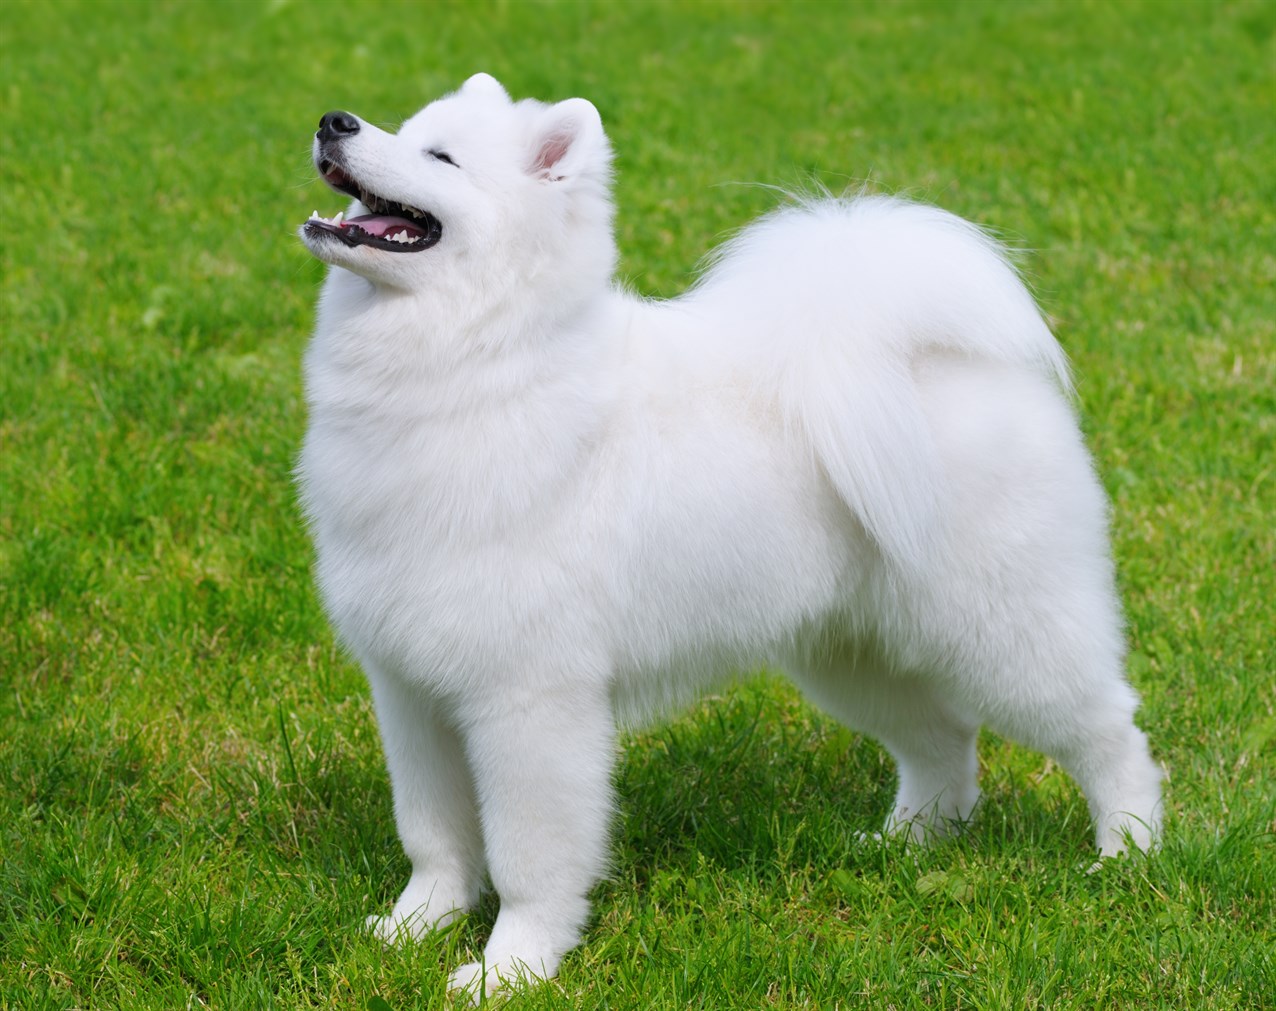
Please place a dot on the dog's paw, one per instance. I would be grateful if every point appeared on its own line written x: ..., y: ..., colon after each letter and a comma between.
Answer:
x: 926, y: 826
x: 468, y: 983
x: 424, y: 907
x: 393, y: 930
x: 473, y: 981
x: 399, y: 929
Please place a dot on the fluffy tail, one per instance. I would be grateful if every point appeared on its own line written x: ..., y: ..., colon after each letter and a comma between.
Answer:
x: 832, y: 302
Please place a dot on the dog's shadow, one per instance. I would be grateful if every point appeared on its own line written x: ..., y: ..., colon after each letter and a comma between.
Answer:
x: 757, y: 781
x: 746, y: 779
x: 753, y: 782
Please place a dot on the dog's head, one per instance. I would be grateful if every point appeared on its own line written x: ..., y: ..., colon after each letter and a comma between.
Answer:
x: 475, y: 196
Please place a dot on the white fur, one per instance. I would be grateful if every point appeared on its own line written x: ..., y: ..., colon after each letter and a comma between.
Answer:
x: 543, y: 506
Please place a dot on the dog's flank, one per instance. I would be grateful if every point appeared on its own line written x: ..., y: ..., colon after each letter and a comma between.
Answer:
x: 543, y: 507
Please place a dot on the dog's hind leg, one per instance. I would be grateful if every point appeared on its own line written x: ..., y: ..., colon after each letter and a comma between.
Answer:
x: 434, y: 810
x: 1047, y: 672
x: 1093, y: 737
x: 932, y: 743
x: 1122, y: 785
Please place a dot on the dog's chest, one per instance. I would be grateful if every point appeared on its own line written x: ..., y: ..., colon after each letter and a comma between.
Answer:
x: 431, y: 539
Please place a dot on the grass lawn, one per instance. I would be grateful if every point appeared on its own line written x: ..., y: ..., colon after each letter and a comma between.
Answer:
x: 193, y: 808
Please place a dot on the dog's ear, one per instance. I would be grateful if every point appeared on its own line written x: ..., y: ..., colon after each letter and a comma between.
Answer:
x: 485, y: 84
x: 567, y: 141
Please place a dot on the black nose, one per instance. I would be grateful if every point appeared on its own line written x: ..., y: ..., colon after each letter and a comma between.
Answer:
x: 336, y: 125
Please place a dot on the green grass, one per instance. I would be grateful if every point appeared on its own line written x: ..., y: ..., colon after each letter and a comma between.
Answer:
x: 193, y: 809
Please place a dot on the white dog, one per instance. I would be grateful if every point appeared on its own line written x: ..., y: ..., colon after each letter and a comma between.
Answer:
x: 544, y: 507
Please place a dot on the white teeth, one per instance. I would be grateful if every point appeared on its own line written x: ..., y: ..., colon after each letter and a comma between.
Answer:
x: 313, y: 215
x: 337, y: 219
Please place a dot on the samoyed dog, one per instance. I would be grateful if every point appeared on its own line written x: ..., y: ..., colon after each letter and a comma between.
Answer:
x: 545, y: 508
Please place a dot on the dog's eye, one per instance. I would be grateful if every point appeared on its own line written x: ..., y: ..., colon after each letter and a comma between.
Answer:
x: 442, y: 156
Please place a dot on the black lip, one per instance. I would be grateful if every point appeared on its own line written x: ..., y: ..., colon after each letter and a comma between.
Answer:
x: 353, y: 235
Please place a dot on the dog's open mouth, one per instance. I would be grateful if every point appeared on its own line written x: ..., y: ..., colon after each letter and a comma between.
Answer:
x: 392, y: 226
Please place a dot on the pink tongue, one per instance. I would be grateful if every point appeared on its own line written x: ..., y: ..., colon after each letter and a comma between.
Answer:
x: 383, y: 226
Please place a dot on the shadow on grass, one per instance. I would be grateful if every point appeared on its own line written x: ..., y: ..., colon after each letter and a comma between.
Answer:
x: 761, y: 782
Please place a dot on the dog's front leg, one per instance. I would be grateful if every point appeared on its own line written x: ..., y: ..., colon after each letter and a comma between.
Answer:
x: 434, y: 809
x: 542, y: 766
